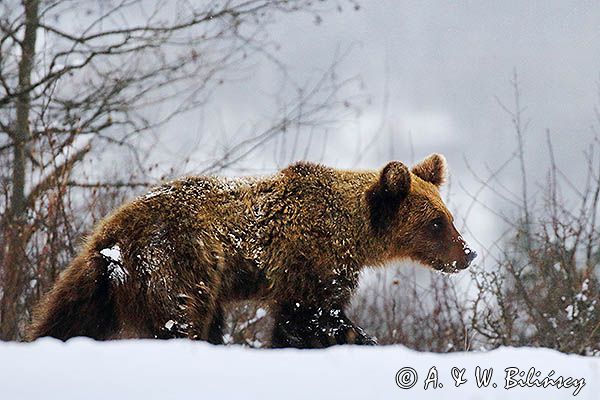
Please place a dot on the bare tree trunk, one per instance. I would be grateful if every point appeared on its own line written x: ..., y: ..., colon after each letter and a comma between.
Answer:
x: 15, y: 259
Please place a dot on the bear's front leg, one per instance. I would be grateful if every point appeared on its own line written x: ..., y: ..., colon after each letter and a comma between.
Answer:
x: 344, y: 330
x: 307, y: 327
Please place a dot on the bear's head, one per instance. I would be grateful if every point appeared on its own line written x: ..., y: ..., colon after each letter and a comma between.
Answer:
x: 409, y: 217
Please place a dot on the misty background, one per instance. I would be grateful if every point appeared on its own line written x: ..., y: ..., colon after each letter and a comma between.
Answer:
x: 432, y: 76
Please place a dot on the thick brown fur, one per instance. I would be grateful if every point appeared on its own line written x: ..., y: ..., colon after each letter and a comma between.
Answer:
x: 297, y: 239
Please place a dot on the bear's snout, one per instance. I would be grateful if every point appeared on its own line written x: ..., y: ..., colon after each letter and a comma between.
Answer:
x: 470, y: 256
x: 461, y: 257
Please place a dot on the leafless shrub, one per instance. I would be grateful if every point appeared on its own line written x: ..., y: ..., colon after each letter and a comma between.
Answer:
x: 544, y: 290
x: 423, y: 311
x: 248, y: 324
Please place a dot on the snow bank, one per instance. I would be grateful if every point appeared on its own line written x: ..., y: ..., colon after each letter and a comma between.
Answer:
x: 148, y: 369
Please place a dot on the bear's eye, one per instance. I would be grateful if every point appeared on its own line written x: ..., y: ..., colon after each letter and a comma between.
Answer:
x: 437, y: 224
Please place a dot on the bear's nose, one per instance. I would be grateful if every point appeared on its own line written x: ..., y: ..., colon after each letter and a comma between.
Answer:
x: 471, y: 254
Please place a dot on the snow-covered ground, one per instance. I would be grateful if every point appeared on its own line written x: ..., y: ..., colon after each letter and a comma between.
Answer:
x: 148, y: 369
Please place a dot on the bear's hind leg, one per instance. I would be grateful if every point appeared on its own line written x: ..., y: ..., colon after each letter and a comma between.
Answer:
x: 189, y: 313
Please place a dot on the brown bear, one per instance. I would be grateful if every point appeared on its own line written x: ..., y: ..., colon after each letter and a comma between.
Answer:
x: 163, y: 265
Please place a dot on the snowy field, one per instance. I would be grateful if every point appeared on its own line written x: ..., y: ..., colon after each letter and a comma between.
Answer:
x: 146, y: 369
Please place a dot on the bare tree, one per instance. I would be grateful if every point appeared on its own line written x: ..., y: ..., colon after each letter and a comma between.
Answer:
x: 80, y: 78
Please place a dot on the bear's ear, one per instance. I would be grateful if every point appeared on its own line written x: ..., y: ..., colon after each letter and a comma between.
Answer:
x: 432, y: 169
x: 394, y: 180
x: 385, y: 195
